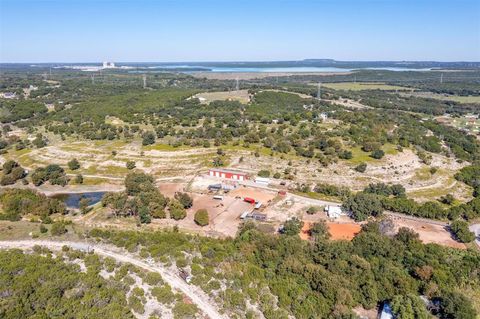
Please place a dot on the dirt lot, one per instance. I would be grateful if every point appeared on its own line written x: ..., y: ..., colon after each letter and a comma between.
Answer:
x: 263, y: 196
x: 241, y: 95
x: 338, y: 231
x: 169, y: 189
x: 343, y: 230
x: 429, y: 233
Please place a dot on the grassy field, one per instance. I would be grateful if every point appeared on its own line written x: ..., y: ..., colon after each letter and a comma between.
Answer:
x: 360, y: 156
x: 361, y: 86
x: 455, y: 98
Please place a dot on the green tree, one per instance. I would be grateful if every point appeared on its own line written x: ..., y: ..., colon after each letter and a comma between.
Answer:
x: 461, y: 231
x: 148, y: 138
x: 201, y: 217
x: 456, y: 306
x: 409, y: 307
x: 131, y: 165
x: 377, y: 154
x: 176, y: 209
x: 319, y: 230
x: 185, y: 199
x: 292, y: 226
x: 362, y: 205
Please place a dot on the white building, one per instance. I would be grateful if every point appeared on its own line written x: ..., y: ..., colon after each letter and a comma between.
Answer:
x: 108, y: 65
x: 334, y: 211
x: 262, y: 180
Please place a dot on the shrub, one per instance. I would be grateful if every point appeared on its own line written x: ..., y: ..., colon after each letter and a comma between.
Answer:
x: 201, y: 217
x: 131, y: 165
x: 361, y: 168
x: 43, y: 229
x: 73, y: 164
x: 79, y: 179
x: 58, y: 229
x: 264, y: 173
x: 377, y: 154
x: 148, y: 138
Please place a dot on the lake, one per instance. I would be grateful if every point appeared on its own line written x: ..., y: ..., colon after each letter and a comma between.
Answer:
x: 288, y: 69
x: 72, y: 200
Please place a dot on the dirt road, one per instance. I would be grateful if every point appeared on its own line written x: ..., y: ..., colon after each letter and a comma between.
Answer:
x: 197, y: 296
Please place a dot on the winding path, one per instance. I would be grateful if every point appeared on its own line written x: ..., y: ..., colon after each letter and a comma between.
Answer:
x: 197, y: 296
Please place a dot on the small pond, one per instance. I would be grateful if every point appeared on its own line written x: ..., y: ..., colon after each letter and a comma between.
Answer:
x: 72, y: 200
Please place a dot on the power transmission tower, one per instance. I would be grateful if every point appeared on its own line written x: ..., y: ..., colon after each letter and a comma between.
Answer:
x: 354, y: 79
x: 237, y: 86
x: 144, y: 81
x: 93, y: 78
x: 319, y: 92
x: 441, y: 78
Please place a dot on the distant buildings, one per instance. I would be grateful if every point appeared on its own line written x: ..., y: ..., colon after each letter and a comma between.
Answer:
x: 108, y: 65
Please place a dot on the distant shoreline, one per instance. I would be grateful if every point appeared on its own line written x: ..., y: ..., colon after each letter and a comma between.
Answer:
x: 256, y: 75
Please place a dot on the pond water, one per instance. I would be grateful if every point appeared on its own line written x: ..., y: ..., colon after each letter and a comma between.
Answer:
x: 72, y: 200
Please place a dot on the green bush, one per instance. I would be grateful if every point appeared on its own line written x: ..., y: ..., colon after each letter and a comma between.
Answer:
x: 201, y: 217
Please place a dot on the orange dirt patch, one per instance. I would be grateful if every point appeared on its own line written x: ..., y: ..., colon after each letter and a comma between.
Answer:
x: 337, y: 230
x: 343, y: 231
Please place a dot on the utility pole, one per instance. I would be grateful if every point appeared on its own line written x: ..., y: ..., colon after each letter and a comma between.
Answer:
x: 144, y: 81
x: 319, y: 93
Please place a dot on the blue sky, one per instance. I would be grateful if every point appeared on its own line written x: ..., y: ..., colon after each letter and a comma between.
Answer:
x: 240, y: 30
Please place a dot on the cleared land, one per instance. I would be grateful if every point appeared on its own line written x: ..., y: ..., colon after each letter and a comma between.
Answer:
x: 101, y: 169
x: 241, y: 96
x: 446, y: 97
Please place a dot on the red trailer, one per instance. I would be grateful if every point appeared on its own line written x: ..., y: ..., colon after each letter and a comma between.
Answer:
x: 249, y: 200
